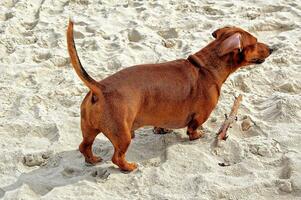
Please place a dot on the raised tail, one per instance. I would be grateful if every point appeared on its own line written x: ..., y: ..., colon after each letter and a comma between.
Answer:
x: 81, y: 72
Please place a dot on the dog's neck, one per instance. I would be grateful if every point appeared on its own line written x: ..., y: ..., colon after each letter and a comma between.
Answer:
x: 212, y: 66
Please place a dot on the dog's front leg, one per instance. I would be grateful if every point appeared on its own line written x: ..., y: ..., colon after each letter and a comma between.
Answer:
x: 192, y: 132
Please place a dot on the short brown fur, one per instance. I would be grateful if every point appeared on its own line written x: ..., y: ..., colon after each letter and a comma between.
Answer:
x: 176, y: 94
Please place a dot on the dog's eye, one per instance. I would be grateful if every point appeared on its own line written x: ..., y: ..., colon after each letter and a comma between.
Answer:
x: 241, y: 55
x: 94, y: 99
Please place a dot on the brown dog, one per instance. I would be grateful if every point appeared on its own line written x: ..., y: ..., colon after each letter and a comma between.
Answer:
x: 175, y: 94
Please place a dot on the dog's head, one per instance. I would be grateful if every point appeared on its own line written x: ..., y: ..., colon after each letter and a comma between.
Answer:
x: 239, y: 47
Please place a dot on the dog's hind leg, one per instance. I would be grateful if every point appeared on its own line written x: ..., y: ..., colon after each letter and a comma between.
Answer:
x: 121, y: 140
x: 85, y: 147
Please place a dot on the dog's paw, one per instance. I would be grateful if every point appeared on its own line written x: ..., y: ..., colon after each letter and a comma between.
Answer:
x: 93, y: 160
x: 129, y: 167
x: 195, y: 135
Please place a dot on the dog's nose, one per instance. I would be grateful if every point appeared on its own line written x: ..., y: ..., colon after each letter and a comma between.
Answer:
x: 271, y: 50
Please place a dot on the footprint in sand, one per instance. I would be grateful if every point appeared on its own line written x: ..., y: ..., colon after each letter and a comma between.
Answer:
x: 100, y: 173
x: 278, y: 107
x: 48, y: 39
x: 46, y: 130
x: 6, y: 15
x: 251, y: 13
x: 271, y: 9
x: 89, y: 44
x: 32, y: 19
x: 70, y: 171
x: 289, y: 87
x: 9, y: 3
x: 240, y: 83
x: 273, y: 26
x: 41, y: 55
x: 135, y: 4
x: 290, y: 176
x: 285, y: 186
x: 265, y: 149
x: 281, y: 21
x: 36, y: 159
x: 232, y: 152
x: 78, y: 34
x: 209, y: 10
x: 60, y: 61
x: 168, y: 33
x: 134, y: 35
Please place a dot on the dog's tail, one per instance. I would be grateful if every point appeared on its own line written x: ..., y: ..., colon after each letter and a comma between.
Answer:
x: 81, y: 72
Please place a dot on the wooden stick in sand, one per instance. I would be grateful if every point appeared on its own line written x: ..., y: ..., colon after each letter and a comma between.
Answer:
x: 222, y: 133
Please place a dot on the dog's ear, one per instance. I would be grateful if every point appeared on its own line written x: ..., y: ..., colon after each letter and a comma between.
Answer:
x: 230, y: 44
x: 217, y: 33
x: 248, y: 39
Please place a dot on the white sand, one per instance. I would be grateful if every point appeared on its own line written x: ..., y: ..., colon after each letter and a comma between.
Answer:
x: 41, y: 94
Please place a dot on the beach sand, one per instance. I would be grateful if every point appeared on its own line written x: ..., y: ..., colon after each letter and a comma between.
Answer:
x: 41, y: 94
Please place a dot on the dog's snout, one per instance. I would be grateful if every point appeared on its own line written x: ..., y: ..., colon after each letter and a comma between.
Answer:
x: 271, y: 50
x: 214, y: 34
x: 274, y: 48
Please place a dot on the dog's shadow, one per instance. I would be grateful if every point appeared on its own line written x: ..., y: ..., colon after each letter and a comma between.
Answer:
x: 68, y: 167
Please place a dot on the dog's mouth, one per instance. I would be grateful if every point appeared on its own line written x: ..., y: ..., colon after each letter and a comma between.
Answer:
x: 258, y: 61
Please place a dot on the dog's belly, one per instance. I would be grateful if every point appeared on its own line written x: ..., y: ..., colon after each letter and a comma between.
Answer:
x: 170, y: 124
x: 172, y: 119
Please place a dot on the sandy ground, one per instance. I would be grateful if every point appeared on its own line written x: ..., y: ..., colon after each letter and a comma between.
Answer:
x: 41, y: 95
